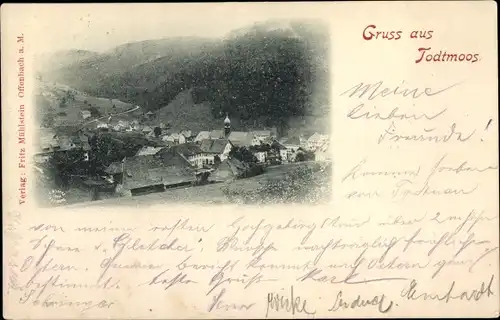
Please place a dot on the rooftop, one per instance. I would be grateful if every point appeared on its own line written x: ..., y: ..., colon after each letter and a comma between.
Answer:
x: 164, y: 167
x: 239, y: 138
x: 213, y: 145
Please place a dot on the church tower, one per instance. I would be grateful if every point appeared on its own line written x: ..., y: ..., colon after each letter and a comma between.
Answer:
x: 227, y: 126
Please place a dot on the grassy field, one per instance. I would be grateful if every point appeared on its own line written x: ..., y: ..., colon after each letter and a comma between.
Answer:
x: 207, y: 194
x: 69, y: 113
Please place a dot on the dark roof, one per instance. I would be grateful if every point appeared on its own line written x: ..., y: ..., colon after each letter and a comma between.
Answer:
x: 167, y: 143
x: 230, y: 168
x: 166, y: 167
x: 239, y: 138
x: 276, y: 144
x: 186, y: 149
x: 213, y: 145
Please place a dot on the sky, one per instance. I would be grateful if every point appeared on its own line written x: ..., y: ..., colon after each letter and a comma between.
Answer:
x: 100, y: 27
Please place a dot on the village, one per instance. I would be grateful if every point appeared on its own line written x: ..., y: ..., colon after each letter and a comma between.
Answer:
x: 114, y: 156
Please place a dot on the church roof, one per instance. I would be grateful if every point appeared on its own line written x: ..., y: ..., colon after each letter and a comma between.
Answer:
x: 187, y: 149
x: 213, y: 145
x: 239, y: 138
x: 216, y: 134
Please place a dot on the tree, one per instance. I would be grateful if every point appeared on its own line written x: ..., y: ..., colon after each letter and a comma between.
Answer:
x: 217, y: 160
x: 243, y: 154
x: 303, y: 155
x: 157, y: 131
x: 94, y: 112
x: 261, y: 148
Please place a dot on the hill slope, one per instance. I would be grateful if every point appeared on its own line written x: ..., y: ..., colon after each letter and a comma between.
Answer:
x: 271, y: 72
x: 60, y: 106
x: 46, y: 63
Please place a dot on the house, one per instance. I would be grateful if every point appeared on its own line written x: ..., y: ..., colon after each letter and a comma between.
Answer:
x: 40, y: 158
x: 175, y: 138
x: 315, y: 141
x: 202, y: 136
x: 66, y: 143
x: 237, y: 138
x: 123, y: 123
x: 323, y: 153
x: 229, y: 169
x: 292, y: 145
x: 261, y: 136
x: 149, y: 115
x: 269, y: 140
x: 189, y: 151
x: 147, y: 129
x: 277, y: 149
x: 186, y: 133
x: 284, y: 155
x: 47, y: 140
x: 153, y: 172
x: 260, y: 152
x: 261, y: 156
x: 82, y: 141
x: 179, y: 138
x: 86, y: 114
x: 145, y: 151
x: 102, y: 125
x: 303, y: 140
x: 115, y: 168
x: 168, y: 138
x: 209, y: 149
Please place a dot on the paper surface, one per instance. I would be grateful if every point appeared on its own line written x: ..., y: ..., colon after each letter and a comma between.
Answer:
x: 412, y: 227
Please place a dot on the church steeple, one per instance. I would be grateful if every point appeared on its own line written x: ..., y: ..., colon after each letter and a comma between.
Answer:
x: 227, y: 126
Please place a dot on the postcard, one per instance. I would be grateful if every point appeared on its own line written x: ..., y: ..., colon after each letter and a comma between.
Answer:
x: 250, y: 160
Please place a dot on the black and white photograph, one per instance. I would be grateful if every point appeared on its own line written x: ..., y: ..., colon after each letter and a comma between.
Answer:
x: 272, y: 160
x: 241, y: 117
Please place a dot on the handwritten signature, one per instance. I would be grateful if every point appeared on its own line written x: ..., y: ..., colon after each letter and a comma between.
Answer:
x: 291, y: 303
x: 484, y: 290
x: 359, y: 302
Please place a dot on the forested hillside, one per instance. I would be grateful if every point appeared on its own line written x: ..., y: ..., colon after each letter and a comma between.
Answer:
x: 273, y: 72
